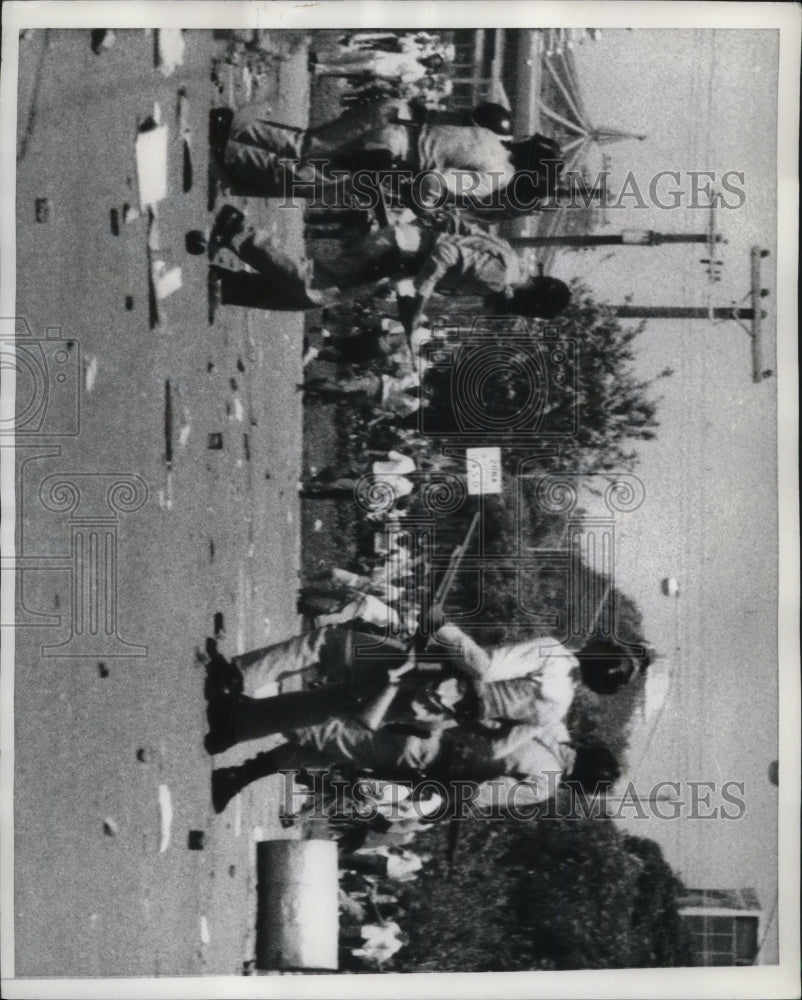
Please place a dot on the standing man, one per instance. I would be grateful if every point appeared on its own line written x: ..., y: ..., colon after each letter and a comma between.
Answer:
x: 472, y: 263
x: 531, y: 683
x: 519, y: 766
x: 446, y: 155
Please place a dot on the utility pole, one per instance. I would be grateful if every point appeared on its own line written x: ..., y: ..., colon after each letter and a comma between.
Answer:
x: 629, y: 237
x: 749, y: 319
x: 684, y: 312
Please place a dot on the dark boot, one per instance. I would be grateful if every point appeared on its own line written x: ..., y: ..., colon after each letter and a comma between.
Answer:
x: 229, y: 781
x: 221, y: 714
x: 229, y: 222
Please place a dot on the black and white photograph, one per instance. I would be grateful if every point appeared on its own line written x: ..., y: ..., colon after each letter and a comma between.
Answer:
x: 400, y: 544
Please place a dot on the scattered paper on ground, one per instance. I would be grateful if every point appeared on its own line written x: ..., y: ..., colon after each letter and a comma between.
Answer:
x: 90, y: 372
x: 165, y: 281
x: 151, y: 165
x: 169, y: 50
x: 166, y: 814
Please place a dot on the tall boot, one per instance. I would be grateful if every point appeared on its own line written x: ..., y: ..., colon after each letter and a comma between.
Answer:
x: 236, y: 718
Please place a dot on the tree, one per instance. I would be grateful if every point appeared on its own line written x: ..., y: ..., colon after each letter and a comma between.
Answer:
x: 553, y: 893
x: 589, y: 401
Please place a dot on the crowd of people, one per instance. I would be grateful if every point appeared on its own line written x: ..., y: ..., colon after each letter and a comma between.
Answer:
x: 372, y: 64
x: 384, y: 686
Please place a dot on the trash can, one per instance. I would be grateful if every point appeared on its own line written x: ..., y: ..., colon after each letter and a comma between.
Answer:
x: 297, y: 904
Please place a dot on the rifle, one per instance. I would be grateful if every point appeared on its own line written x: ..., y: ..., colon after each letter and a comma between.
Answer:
x: 375, y: 711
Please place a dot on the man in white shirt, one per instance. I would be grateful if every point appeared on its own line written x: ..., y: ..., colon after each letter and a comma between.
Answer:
x: 531, y: 683
x: 446, y: 153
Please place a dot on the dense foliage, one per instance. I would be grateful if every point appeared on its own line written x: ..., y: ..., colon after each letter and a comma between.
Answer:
x: 556, y: 893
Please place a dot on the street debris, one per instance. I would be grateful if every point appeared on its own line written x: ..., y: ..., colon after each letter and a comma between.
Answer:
x: 169, y: 50
x: 151, y: 161
x: 102, y: 669
x: 90, y: 372
x: 195, y: 242
x: 42, y: 209
x: 110, y: 828
x: 166, y: 493
x: 165, y: 281
x: 166, y: 815
x: 196, y: 840
x: 204, y: 931
x: 168, y: 423
x: 186, y: 429
x: 214, y: 442
x: 182, y: 113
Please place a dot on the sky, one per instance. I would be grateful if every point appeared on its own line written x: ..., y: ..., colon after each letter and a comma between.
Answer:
x: 710, y: 514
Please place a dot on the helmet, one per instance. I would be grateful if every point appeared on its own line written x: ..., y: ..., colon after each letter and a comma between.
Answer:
x: 542, y: 296
x: 494, y: 117
x: 534, y: 152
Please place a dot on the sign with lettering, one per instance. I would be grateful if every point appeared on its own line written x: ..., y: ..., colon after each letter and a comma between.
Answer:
x: 484, y: 470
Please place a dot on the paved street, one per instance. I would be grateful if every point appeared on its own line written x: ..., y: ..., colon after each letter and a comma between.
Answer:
x: 97, y: 734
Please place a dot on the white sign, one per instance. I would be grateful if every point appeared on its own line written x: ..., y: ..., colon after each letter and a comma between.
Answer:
x: 484, y: 470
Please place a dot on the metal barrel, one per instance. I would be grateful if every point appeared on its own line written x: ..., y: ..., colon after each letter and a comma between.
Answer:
x: 297, y: 912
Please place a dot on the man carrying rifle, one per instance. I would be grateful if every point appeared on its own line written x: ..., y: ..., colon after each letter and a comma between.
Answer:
x: 468, y: 727
x: 348, y: 672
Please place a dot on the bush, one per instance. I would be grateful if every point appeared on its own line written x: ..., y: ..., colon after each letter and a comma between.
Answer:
x: 554, y: 893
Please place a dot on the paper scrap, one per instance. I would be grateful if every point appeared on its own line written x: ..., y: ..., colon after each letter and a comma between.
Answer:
x: 151, y: 165
x: 169, y: 50
x: 165, y: 281
x: 90, y: 372
x: 166, y: 813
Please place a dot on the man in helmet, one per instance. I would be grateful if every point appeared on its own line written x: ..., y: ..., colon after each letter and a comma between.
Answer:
x: 532, y: 682
x: 469, y: 262
x: 450, y: 157
x: 519, y: 758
